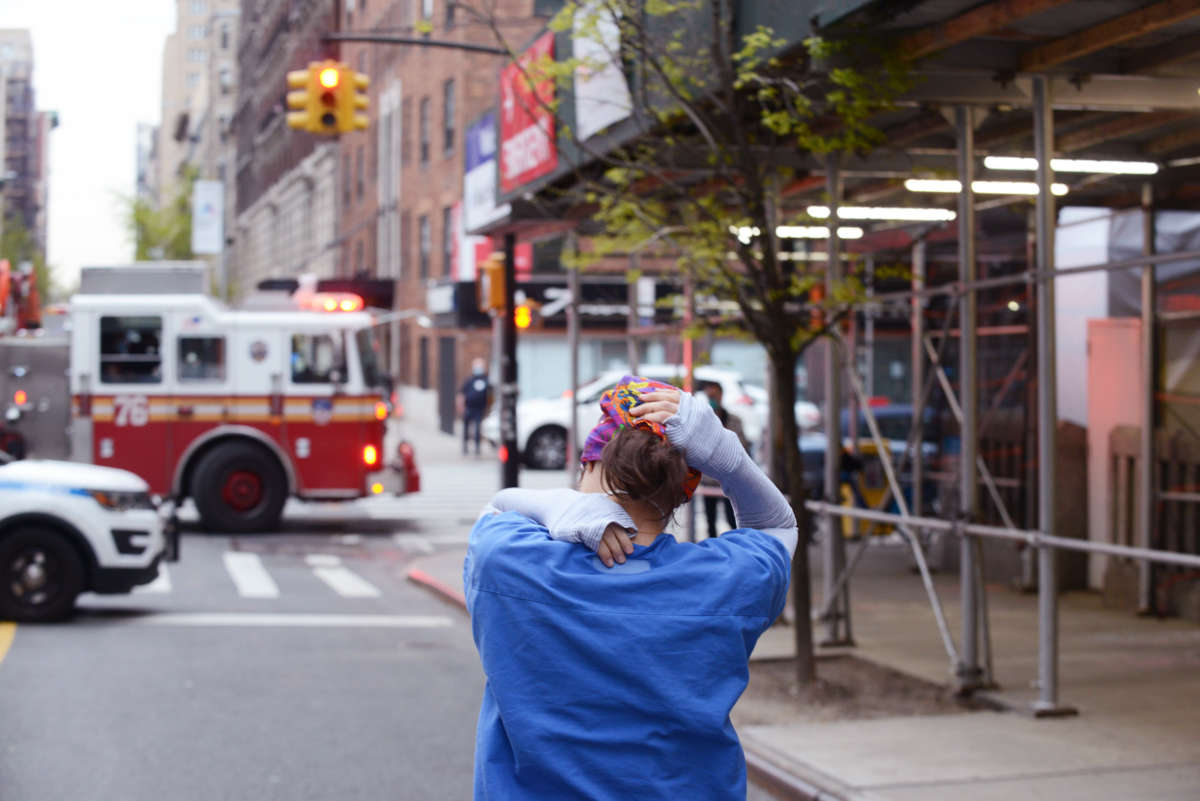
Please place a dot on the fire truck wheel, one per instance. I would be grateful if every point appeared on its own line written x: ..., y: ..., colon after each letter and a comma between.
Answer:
x: 239, y: 488
x: 41, y: 574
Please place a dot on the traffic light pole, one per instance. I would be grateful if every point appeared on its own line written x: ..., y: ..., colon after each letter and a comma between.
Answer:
x: 510, y: 456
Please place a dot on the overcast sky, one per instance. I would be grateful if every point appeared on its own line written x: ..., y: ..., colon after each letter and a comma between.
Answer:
x: 99, y: 65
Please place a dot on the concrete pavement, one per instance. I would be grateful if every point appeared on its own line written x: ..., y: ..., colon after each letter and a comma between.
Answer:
x: 1133, y: 681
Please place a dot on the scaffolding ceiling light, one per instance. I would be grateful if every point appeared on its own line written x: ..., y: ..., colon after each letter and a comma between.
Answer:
x: 747, y: 233
x: 953, y: 187
x: 1097, y: 166
x: 888, y: 213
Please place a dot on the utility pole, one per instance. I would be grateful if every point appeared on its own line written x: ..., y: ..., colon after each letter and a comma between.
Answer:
x: 509, y: 454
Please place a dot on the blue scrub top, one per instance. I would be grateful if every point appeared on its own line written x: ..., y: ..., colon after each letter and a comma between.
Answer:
x: 615, y: 683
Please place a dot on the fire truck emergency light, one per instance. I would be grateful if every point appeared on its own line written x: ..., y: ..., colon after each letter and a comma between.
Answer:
x: 20, y: 397
x: 370, y: 455
x: 380, y: 410
x: 336, y: 301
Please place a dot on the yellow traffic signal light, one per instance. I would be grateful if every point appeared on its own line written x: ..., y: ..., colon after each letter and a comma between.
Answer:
x: 489, y: 290
x: 523, y: 316
x: 327, y: 98
x: 352, y: 98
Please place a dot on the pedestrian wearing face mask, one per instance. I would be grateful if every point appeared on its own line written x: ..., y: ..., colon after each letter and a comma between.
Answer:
x: 472, y: 402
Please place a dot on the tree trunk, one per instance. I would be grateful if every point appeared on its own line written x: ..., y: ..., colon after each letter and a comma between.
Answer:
x: 783, y: 420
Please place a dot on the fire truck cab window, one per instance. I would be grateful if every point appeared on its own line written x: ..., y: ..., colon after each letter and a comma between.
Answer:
x: 130, y: 350
x: 202, y: 358
x: 318, y: 359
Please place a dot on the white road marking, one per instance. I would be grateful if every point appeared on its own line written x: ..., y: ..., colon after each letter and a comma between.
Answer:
x: 413, y: 542
x: 322, y: 560
x: 161, y: 583
x: 293, y: 620
x: 249, y: 575
x: 346, y: 582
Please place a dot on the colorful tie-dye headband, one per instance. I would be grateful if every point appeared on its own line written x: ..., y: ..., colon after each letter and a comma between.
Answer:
x: 615, y: 411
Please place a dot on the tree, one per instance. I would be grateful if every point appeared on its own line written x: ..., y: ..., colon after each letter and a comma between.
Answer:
x: 162, y: 231
x: 18, y: 245
x: 721, y: 125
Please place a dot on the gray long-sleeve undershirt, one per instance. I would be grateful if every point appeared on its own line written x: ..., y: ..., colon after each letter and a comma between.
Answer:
x: 707, y: 446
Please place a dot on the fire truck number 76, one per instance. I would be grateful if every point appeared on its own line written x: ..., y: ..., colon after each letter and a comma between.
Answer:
x: 132, y: 410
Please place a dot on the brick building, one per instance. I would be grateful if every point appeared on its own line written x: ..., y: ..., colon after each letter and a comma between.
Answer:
x: 286, y: 204
x: 401, y: 182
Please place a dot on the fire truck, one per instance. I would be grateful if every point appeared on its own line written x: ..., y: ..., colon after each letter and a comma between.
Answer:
x: 237, y: 409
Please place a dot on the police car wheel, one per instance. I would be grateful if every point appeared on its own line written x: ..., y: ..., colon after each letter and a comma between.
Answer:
x: 239, y: 488
x: 41, y: 574
x: 547, y: 449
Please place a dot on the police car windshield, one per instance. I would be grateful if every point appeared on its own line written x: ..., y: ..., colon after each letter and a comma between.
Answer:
x: 370, y: 355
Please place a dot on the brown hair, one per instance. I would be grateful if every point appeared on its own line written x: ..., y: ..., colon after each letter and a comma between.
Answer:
x: 644, y: 467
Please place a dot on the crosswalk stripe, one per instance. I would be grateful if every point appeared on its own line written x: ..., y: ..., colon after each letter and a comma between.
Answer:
x: 161, y: 583
x: 249, y: 576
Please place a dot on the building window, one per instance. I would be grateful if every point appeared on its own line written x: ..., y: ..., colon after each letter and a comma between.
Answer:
x: 196, y: 32
x: 448, y: 116
x: 199, y: 7
x: 130, y: 351
x: 358, y: 259
x: 405, y: 128
x: 346, y: 179
x: 451, y: 6
x: 447, y: 241
x: 224, y: 37
x: 425, y: 243
x: 423, y: 131
x: 197, y: 55
x: 193, y: 80
x: 358, y: 172
x: 202, y: 358
x: 226, y: 79
x: 427, y: 9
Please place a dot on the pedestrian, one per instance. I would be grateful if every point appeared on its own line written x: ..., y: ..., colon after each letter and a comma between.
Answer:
x: 712, y: 502
x: 613, y: 653
x: 472, y: 402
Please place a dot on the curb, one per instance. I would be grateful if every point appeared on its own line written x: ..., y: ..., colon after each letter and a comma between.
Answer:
x: 781, y: 784
x: 438, y: 588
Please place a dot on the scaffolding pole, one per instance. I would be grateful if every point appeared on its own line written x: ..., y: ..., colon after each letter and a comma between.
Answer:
x: 837, y: 622
x: 1047, y: 703
x: 1147, y: 488
x: 969, y: 673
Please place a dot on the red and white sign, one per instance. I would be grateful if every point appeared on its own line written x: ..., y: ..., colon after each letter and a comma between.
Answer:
x: 527, y: 147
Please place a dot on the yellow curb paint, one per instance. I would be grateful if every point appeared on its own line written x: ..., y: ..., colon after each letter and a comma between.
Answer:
x: 7, y: 632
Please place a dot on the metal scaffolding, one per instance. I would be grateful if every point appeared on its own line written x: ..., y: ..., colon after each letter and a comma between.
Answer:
x: 970, y: 657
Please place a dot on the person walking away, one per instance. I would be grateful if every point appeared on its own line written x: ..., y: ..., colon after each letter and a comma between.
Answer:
x: 712, y: 503
x: 612, y: 653
x: 472, y: 402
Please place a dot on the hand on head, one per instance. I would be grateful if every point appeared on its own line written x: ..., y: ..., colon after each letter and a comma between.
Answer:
x: 657, y: 406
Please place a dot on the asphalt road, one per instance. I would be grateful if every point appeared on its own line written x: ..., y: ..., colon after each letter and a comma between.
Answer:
x: 290, y: 666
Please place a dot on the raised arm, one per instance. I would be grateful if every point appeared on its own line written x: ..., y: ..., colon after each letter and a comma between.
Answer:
x: 711, y: 448
x: 589, y: 518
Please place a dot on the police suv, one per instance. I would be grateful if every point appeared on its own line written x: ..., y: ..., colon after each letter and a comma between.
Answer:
x: 67, y: 528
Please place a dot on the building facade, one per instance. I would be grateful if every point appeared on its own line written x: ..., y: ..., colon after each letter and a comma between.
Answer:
x: 285, y: 209
x: 24, y: 146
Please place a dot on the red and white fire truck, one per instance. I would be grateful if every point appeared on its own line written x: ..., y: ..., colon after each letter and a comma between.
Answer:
x: 236, y: 409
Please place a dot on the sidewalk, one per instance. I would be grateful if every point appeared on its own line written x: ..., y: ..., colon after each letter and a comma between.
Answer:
x: 1134, y: 681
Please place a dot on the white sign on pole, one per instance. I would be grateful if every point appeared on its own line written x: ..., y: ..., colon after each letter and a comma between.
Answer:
x: 208, y: 214
x: 601, y: 92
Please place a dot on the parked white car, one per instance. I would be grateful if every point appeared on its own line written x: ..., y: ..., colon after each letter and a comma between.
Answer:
x: 808, y: 416
x: 67, y: 528
x: 542, y: 422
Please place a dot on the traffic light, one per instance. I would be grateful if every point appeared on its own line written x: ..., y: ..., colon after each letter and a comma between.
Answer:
x: 327, y: 98
x: 523, y: 316
x: 489, y: 290
x: 528, y: 314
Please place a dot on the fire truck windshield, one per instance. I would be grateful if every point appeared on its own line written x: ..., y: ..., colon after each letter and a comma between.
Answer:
x: 370, y: 355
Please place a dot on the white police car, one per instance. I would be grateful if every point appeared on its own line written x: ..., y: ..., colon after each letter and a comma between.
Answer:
x: 67, y: 528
